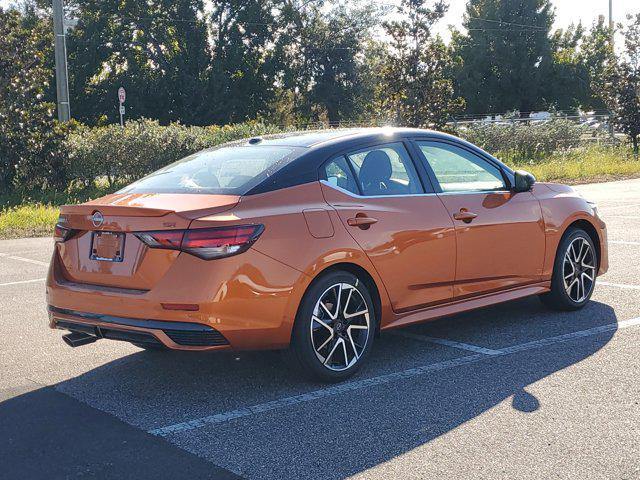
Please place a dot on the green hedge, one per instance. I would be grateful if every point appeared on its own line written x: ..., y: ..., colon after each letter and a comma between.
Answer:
x: 518, y: 140
x: 82, y: 162
x: 124, y: 154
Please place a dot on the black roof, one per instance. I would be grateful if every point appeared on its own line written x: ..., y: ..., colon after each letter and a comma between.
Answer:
x: 315, y: 138
x: 319, y: 145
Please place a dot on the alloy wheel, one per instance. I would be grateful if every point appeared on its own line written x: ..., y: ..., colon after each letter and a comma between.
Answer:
x: 340, y: 326
x: 579, y: 270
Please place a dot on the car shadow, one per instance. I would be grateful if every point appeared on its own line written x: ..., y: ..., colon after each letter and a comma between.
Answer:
x: 149, y: 390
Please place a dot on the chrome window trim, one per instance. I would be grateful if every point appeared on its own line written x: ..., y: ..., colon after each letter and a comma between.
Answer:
x: 351, y: 194
x: 461, y: 192
x: 470, y: 192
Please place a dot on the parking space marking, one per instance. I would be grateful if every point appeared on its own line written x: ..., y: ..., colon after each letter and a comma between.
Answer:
x: 619, y: 285
x: 23, y: 259
x: 382, y: 379
x: 622, y: 242
x: 445, y: 342
x: 633, y: 217
x: 23, y: 281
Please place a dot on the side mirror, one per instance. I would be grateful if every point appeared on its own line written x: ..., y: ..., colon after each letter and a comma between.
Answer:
x: 523, y: 181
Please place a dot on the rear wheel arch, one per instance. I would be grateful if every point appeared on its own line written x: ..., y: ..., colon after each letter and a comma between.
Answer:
x: 362, y: 275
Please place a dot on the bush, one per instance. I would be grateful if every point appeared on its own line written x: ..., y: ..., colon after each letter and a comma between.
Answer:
x: 525, y: 140
x: 125, y: 154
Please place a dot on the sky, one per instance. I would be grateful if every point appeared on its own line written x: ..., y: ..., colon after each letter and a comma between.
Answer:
x: 567, y: 12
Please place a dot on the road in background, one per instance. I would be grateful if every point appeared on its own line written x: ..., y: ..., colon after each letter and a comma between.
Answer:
x: 508, y: 391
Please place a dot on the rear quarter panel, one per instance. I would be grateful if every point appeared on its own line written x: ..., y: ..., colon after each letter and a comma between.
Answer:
x: 290, y: 238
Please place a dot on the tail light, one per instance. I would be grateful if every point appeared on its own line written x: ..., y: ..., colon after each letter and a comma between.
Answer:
x: 62, y: 234
x: 205, y: 243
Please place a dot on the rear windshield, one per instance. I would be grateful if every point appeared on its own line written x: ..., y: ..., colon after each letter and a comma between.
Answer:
x: 225, y: 170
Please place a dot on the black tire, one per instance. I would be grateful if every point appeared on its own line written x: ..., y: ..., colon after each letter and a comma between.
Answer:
x: 314, y: 323
x: 559, y: 298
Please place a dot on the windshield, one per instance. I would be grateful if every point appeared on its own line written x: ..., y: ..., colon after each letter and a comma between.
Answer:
x: 225, y: 170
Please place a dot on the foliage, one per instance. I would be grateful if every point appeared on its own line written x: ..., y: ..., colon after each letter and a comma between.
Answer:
x: 506, y: 55
x: 31, y: 140
x: 596, y: 53
x: 518, y: 140
x: 622, y: 88
x: 28, y: 221
x: 415, y: 88
x: 322, y: 61
x: 120, y: 155
x: 595, y: 163
x: 157, y: 50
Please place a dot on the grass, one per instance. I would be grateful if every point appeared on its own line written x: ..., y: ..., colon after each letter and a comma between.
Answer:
x: 36, y: 214
x: 28, y: 221
x: 582, y: 165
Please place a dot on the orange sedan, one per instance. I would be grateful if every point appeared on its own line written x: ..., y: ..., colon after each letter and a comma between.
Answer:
x: 314, y: 243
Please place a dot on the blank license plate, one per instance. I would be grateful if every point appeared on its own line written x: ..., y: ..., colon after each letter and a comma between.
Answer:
x: 107, y: 246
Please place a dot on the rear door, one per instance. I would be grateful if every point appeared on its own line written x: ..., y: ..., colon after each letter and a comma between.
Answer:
x: 499, y: 233
x: 402, y: 226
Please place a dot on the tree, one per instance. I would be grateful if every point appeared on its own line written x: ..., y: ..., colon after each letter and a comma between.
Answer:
x: 416, y: 90
x: 506, y: 55
x: 157, y: 50
x: 596, y: 53
x: 621, y: 90
x: 243, y: 68
x: 567, y: 86
x: 321, y: 61
x: 31, y: 152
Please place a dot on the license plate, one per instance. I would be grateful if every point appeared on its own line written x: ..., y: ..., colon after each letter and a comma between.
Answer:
x: 107, y: 246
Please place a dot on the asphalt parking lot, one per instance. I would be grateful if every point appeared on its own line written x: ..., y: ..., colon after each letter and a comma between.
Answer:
x: 512, y: 391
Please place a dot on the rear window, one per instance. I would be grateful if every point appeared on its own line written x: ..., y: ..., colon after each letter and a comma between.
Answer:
x: 224, y: 170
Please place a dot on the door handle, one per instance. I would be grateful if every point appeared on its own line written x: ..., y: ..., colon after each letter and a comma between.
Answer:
x: 464, y: 215
x: 361, y: 221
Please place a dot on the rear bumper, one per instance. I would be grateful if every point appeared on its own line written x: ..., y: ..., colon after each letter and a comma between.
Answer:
x: 173, y: 335
x: 247, y: 301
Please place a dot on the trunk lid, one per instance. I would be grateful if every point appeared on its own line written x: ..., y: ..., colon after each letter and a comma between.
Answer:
x: 107, y: 225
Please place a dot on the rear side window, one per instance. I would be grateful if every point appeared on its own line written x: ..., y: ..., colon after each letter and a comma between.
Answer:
x: 385, y: 170
x: 225, y: 170
x: 338, y: 174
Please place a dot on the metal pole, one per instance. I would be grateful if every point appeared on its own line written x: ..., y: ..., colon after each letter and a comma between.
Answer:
x: 62, y: 81
x: 611, y: 26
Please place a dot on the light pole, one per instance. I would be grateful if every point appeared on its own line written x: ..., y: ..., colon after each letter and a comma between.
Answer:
x: 62, y: 81
x: 611, y: 21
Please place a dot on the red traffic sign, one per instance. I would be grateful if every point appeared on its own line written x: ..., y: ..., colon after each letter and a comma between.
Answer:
x: 122, y: 94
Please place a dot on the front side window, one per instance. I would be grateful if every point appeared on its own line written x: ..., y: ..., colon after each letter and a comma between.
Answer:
x: 385, y: 170
x: 225, y: 170
x: 457, y: 169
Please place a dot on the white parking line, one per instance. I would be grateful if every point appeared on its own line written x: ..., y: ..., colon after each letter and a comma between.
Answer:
x: 23, y: 281
x: 619, y: 285
x: 445, y: 342
x: 633, y: 217
x: 23, y: 259
x: 622, y: 242
x: 382, y: 379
